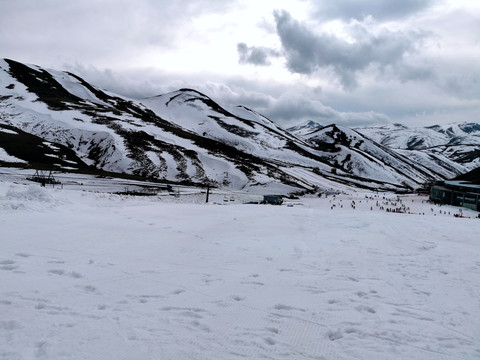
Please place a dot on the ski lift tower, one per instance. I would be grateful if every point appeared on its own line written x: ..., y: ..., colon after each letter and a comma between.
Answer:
x: 42, y: 177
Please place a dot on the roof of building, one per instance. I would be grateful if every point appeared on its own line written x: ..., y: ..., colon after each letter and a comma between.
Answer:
x: 463, y: 186
x: 472, y: 176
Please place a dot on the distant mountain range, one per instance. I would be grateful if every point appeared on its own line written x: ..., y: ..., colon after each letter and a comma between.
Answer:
x: 459, y: 143
x: 56, y: 120
x: 449, y: 150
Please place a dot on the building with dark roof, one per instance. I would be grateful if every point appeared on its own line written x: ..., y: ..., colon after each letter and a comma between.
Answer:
x: 457, y: 193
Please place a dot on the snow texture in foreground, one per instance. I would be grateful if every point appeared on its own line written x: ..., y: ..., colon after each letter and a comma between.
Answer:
x: 97, y: 276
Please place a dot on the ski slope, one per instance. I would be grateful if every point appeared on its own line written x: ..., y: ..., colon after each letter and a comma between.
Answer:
x: 94, y: 275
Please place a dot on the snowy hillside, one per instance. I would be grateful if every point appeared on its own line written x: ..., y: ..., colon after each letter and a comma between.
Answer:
x: 456, y: 146
x: 305, y: 128
x: 119, y: 135
x: 358, y: 155
x: 397, y: 136
x: 66, y: 124
x: 447, y: 150
x: 459, y: 131
x: 92, y: 275
x: 250, y: 133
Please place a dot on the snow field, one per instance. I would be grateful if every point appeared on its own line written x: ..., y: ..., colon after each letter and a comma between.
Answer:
x: 91, y: 275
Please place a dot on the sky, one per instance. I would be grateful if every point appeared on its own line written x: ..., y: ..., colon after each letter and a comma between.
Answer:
x: 349, y: 62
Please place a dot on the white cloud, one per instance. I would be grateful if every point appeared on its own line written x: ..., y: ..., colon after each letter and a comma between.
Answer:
x: 373, y: 60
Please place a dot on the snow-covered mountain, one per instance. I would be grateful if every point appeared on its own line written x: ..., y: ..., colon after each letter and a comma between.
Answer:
x: 120, y: 135
x: 358, y: 155
x: 398, y: 136
x: 57, y: 120
x: 455, y: 147
x: 305, y: 128
x: 458, y: 131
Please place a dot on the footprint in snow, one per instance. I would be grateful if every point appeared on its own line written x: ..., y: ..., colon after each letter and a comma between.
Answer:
x: 72, y: 274
x: 273, y: 330
x: 88, y: 288
x: 334, y: 335
x: 25, y: 255
x: 8, y: 265
x: 10, y: 325
x: 287, y: 307
x: 253, y: 283
x: 198, y: 325
x: 56, y: 271
x: 41, y: 350
x: 270, y: 341
x: 363, y: 308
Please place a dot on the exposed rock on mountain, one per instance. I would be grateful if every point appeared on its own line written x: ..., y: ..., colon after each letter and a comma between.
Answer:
x: 56, y: 120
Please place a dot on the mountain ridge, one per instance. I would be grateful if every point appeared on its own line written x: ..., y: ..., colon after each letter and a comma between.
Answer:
x: 455, y: 147
x: 185, y: 136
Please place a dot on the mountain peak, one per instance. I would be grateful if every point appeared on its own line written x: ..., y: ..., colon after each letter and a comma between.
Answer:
x: 305, y: 128
x: 185, y: 136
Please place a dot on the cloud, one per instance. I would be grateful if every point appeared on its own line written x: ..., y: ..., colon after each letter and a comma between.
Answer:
x: 233, y: 95
x: 297, y: 107
x: 285, y: 104
x: 146, y: 82
x: 254, y: 55
x: 307, y: 52
x: 133, y: 84
x: 379, y: 9
x: 104, y: 33
x: 373, y: 60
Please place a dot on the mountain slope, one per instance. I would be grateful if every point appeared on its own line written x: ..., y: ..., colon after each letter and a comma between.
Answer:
x: 184, y: 136
x: 113, y: 133
x: 456, y: 147
x: 358, y: 155
x: 116, y: 134
x: 397, y: 136
x: 456, y: 131
x: 305, y: 128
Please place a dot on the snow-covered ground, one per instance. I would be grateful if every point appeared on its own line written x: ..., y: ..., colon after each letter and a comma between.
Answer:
x: 92, y: 275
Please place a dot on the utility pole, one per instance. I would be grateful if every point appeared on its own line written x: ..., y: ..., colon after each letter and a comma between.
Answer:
x: 208, y: 192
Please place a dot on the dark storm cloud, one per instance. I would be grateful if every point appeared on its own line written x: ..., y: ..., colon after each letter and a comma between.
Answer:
x: 254, y: 55
x: 379, y: 9
x: 307, y: 52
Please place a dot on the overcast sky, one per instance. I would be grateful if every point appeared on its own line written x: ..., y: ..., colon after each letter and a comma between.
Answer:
x: 350, y: 62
